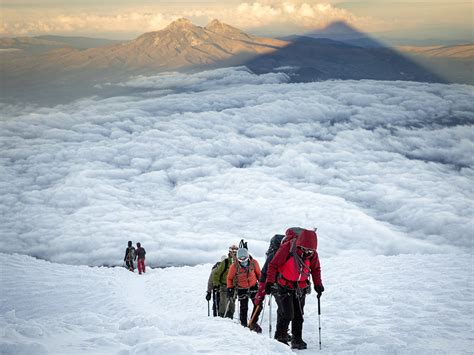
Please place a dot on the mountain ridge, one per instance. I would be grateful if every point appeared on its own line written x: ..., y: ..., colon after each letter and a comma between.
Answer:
x: 460, y: 51
x: 180, y: 44
x: 68, y: 72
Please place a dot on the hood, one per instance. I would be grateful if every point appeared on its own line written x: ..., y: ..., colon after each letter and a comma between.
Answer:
x: 306, y: 238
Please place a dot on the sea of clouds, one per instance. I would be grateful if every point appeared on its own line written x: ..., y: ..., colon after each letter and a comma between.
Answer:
x: 190, y: 163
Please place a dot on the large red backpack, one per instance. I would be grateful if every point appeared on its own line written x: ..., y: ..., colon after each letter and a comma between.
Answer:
x: 292, y: 235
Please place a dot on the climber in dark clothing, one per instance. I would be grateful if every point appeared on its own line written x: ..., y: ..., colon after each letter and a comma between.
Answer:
x: 129, y: 256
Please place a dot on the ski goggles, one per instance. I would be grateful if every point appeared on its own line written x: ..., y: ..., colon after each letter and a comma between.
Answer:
x: 243, y: 259
x: 307, y: 251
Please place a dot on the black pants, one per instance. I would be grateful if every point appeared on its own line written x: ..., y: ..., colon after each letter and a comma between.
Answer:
x: 243, y: 295
x: 129, y: 264
x: 290, y: 309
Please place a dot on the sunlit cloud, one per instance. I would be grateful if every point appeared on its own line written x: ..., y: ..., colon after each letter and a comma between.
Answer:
x: 245, y: 15
x: 379, y: 167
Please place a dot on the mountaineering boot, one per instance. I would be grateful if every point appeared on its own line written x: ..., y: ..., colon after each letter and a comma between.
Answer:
x: 282, y: 338
x: 298, y: 344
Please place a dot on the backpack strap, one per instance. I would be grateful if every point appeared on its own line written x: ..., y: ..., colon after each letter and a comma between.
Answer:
x: 292, y: 249
x: 252, y: 264
x: 226, y: 265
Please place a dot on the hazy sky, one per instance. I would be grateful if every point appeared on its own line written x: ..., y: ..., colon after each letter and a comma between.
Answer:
x: 127, y: 19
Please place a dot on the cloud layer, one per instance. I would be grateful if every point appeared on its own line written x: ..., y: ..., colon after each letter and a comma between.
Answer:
x: 304, y: 15
x: 189, y: 164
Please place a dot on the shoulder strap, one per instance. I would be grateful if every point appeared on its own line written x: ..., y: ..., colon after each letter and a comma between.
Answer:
x: 292, y: 248
x: 252, y: 264
x: 226, y: 265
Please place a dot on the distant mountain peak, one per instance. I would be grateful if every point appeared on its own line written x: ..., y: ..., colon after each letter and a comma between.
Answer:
x: 339, y: 27
x: 180, y: 23
x: 214, y: 23
x: 338, y: 30
x: 218, y: 27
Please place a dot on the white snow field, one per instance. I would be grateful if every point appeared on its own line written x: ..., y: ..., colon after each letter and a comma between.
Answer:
x: 188, y: 164
x: 406, y: 304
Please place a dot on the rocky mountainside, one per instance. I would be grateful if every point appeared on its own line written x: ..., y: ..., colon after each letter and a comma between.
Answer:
x: 181, y: 44
x: 42, y: 44
x: 28, y: 44
x: 462, y: 51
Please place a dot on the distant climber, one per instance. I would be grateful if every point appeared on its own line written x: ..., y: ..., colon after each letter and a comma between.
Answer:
x: 129, y: 256
x: 140, y: 256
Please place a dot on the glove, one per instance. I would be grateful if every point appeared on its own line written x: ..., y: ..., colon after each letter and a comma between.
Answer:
x: 268, y: 288
x: 208, y: 296
x: 230, y: 292
x: 319, y: 289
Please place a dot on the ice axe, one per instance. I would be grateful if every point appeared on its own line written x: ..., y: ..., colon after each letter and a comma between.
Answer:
x: 254, y: 317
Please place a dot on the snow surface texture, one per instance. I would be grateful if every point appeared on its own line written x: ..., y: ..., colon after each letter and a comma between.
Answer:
x: 407, y: 304
x: 190, y: 164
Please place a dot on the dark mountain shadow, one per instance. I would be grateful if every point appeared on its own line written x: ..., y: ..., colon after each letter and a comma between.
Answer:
x: 312, y: 57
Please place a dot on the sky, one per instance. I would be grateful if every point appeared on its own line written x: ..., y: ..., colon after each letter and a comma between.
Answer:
x: 128, y: 19
x: 189, y: 164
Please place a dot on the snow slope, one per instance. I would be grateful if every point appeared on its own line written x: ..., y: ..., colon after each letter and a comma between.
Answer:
x: 403, y: 304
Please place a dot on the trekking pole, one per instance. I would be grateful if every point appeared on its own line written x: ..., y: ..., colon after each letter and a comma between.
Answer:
x: 208, y: 309
x: 217, y: 301
x: 238, y: 309
x: 270, y: 316
x: 319, y: 317
x: 227, y: 308
x: 214, y: 307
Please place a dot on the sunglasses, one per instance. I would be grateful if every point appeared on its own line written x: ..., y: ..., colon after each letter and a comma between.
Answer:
x: 243, y: 259
x: 307, y: 251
